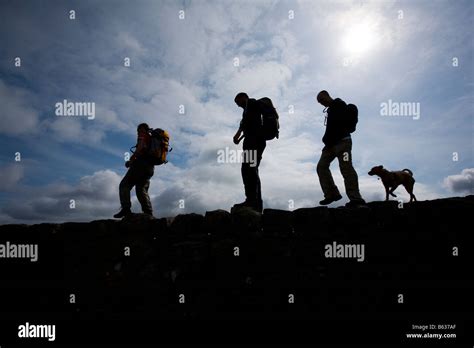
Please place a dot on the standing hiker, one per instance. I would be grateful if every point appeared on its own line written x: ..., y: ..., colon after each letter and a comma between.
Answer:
x: 251, y: 127
x: 141, y: 169
x: 341, y: 122
x: 260, y: 122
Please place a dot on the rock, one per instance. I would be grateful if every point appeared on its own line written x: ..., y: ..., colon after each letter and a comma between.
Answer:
x: 277, y: 223
x: 352, y: 220
x: 246, y: 221
x: 241, y: 263
x: 136, y: 218
x: 187, y: 224
x: 311, y: 222
x: 217, y: 222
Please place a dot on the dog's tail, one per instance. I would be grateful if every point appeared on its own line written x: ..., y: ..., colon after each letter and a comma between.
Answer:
x: 408, y: 171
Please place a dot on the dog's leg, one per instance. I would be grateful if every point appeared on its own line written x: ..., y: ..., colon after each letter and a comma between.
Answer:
x: 387, y: 190
x: 409, y: 188
x: 393, y: 189
x: 412, y: 196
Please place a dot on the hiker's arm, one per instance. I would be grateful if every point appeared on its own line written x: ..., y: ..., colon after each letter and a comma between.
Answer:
x: 237, y: 136
x: 134, y: 156
x: 141, y: 148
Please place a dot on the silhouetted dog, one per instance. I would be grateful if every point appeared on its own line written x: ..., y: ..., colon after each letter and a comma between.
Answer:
x: 391, y: 180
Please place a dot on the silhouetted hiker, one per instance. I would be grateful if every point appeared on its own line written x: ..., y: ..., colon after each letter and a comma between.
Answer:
x: 341, y: 122
x: 141, y: 169
x: 254, y: 141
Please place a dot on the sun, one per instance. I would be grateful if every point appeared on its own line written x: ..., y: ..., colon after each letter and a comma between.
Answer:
x: 358, y: 39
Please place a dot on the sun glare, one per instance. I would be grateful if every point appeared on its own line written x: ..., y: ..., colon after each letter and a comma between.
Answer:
x: 358, y: 39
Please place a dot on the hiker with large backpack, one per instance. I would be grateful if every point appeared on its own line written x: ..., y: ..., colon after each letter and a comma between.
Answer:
x: 259, y: 123
x: 151, y: 149
x: 340, y: 123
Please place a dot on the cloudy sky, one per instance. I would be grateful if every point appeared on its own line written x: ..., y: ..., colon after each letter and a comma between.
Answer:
x: 198, y: 55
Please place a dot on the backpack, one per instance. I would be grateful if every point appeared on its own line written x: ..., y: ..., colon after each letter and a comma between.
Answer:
x: 270, y: 123
x: 352, y: 117
x: 159, y: 146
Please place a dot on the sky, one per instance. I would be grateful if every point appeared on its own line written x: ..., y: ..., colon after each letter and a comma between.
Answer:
x: 195, y: 56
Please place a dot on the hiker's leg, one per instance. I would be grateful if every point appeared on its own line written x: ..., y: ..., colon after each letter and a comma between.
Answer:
x: 145, y: 172
x: 125, y: 187
x: 259, y: 154
x: 324, y: 173
x: 249, y: 169
x: 247, y: 180
x: 254, y: 185
x: 351, y: 181
x: 142, y: 195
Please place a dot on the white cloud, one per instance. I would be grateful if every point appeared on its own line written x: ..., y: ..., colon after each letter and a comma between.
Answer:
x: 461, y: 183
x: 10, y: 175
x: 17, y: 115
x: 71, y: 129
x: 130, y: 43
x: 254, y: 77
x: 93, y: 196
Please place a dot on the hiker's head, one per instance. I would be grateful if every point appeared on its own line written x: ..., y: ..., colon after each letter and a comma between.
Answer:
x: 143, y: 127
x: 241, y: 99
x: 324, y: 98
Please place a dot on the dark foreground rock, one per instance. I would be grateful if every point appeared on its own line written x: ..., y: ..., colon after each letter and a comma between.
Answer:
x: 245, y: 265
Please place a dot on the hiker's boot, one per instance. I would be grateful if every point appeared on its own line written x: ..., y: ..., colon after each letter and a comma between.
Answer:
x: 245, y: 203
x: 330, y: 199
x: 148, y: 212
x: 254, y: 205
x: 122, y: 213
